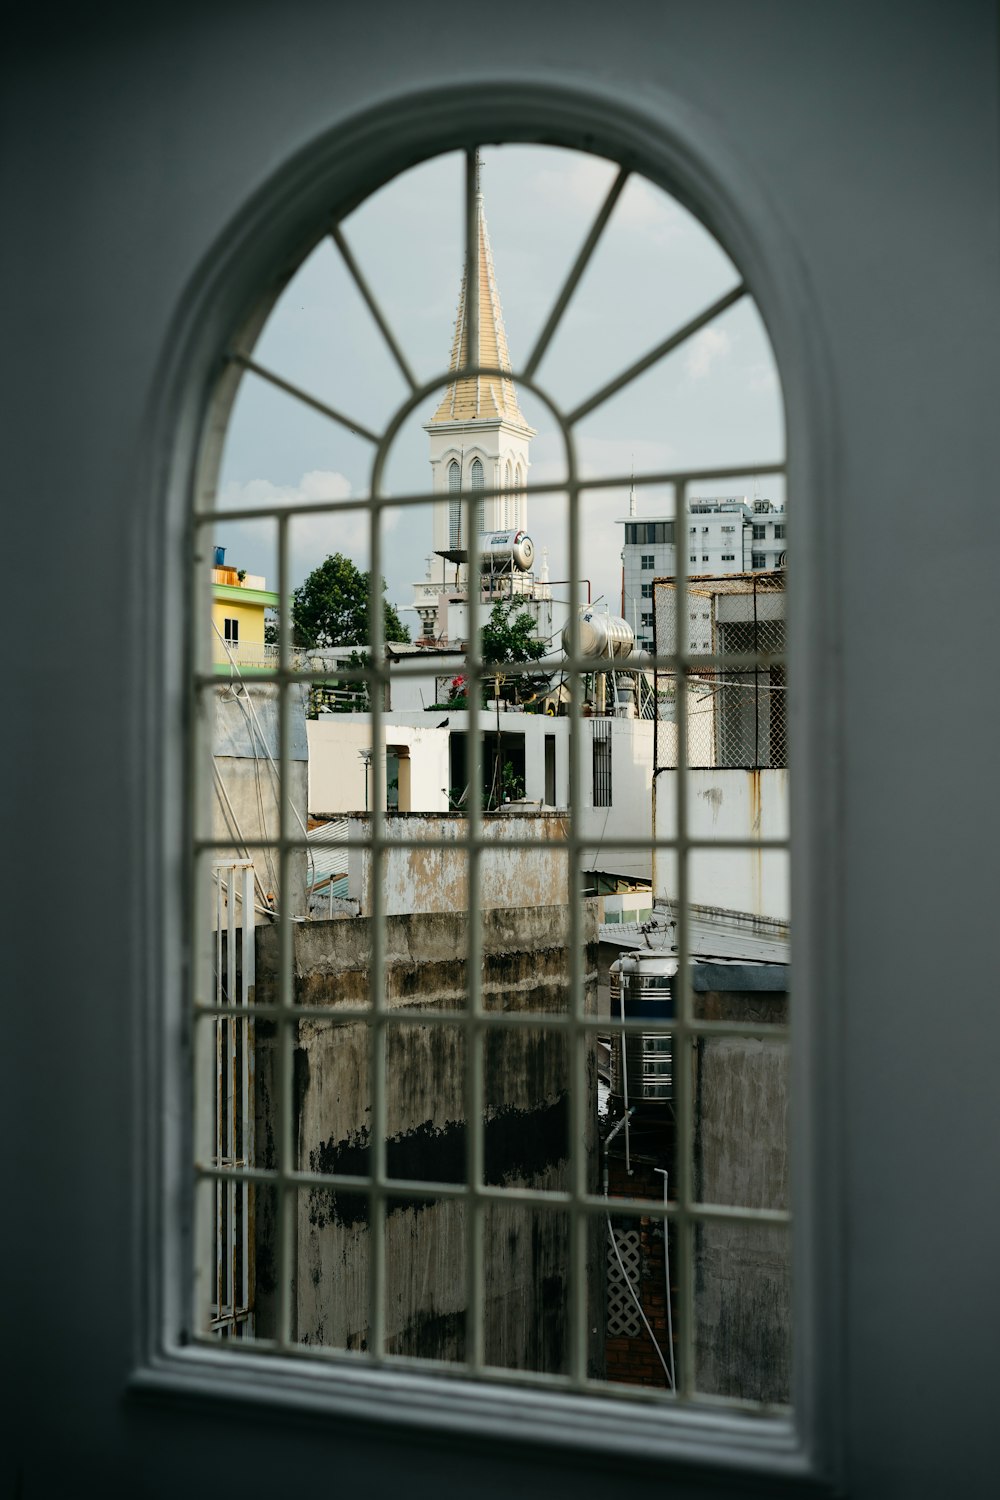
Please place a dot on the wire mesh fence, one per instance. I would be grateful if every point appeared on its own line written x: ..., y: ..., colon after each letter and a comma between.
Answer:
x: 735, y: 678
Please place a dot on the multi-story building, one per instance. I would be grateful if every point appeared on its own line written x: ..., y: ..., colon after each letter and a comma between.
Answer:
x: 724, y: 534
x: 239, y: 605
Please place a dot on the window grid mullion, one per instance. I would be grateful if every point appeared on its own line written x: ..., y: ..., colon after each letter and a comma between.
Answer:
x: 579, y: 1226
x: 287, y: 1205
x: 377, y: 1271
x: 685, y: 1105
x: 474, y: 1038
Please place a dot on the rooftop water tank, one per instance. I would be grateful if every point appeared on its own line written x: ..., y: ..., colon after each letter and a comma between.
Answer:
x: 602, y: 635
x: 643, y: 986
x: 502, y: 551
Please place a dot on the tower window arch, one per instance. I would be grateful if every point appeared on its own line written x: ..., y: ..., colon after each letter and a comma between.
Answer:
x: 477, y: 482
x: 322, y: 1199
x: 509, y: 518
x: 454, y: 505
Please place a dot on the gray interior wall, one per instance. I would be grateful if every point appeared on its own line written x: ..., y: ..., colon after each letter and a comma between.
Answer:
x: 868, y: 134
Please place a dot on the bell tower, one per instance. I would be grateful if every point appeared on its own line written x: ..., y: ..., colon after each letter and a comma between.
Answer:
x: 479, y: 438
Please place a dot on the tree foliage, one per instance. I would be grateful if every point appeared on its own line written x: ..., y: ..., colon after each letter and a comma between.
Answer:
x: 331, y: 607
x: 508, y: 637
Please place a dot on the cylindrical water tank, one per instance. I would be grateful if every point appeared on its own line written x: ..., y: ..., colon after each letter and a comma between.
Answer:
x: 504, y: 550
x: 643, y: 987
x: 602, y: 635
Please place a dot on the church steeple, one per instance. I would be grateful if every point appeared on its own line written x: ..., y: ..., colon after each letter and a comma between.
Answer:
x: 476, y: 397
x: 479, y: 439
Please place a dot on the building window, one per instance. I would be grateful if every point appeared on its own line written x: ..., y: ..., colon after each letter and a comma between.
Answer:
x: 758, y: 560
x: 729, y: 528
x: 704, y: 557
x: 477, y: 482
x: 729, y: 557
x: 406, y: 1190
x: 779, y: 529
x: 602, y: 761
x: 648, y: 560
x: 454, y: 506
x: 231, y: 630
x: 759, y: 532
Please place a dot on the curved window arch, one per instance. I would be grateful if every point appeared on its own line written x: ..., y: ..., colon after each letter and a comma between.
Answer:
x: 454, y: 505
x: 508, y: 499
x: 281, y: 876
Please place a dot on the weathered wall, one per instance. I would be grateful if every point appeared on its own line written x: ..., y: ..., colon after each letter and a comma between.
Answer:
x: 727, y: 804
x: 742, y: 1290
x: 436, y: 879
x: 742, y: 1329
x: 526, y: 1120
x: 245, y: 800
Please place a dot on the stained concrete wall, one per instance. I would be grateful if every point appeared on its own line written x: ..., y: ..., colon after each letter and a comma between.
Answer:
x: 727, y: 804
x: 742, y: 1334
x: 436, y: 879
x: 526, y: 1082
x: 742, y: 1272
x: 245, y: 799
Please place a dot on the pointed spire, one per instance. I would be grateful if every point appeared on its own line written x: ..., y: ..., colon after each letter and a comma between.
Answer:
x: 482, y: 397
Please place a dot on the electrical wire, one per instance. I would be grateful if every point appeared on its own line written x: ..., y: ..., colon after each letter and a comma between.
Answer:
x: 234, y: 669
x: 635, y: 1299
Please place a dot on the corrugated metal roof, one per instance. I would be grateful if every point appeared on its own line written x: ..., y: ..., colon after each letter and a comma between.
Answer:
x: 328, y: 847
x: 723, y: 937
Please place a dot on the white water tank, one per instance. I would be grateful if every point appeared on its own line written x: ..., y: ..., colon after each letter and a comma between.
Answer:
x: 643, y: 988
x: 602, y: 635
x: 502, y: 551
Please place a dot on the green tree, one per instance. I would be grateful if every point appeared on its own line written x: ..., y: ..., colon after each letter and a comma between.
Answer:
x: 331, y: 607
x: 508, y: 637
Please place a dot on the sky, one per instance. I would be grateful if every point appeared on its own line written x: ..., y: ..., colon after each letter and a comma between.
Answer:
x: 714, y: 401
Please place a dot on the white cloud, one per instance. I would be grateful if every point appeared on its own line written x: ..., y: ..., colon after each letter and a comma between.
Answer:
x: 317, y: 485
x: 584, y: 181
x: 708, y: 346
x: 762, y: 377
x: 252, y: 544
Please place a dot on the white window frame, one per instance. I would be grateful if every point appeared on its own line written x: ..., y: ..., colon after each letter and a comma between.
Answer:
x: 698, y: 168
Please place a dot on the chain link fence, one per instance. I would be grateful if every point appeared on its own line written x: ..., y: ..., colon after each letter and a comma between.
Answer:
x: 735, y: 681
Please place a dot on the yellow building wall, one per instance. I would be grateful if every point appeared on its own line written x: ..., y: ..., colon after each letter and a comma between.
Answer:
x: 250, y: 616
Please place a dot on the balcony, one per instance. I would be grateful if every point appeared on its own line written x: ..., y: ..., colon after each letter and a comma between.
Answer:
x: 248, y: 656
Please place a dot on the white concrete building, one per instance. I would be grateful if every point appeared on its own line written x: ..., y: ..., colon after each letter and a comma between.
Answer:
x: 724, y: 534
x: 426, y: 772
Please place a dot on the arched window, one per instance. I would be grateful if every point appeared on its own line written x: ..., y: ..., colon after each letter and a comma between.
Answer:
x: 477, y: 483
x: 454, y: 505
x: 476, y: 1141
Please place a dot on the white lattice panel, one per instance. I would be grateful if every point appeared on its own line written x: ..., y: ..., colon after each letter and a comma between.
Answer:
x: 623, y: 1315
